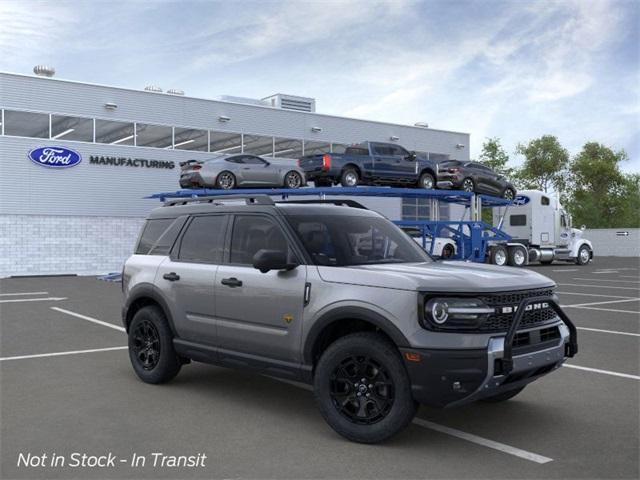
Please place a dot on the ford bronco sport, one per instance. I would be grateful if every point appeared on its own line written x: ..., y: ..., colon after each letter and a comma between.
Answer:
x: 337, y: 297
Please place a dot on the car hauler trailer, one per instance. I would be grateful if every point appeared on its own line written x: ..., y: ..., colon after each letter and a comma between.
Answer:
x: 470, y: 239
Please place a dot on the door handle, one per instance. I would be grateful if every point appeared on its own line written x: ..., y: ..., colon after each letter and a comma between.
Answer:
x: 172, y: 277
x: 231, y: 282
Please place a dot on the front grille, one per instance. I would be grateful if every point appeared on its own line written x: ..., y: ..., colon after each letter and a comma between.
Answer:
x: 500, y: 322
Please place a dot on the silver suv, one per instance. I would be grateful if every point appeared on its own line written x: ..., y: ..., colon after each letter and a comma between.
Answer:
x: 338, y: 297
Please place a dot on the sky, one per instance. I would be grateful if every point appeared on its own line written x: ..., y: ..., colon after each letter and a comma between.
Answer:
x: 514, y: 70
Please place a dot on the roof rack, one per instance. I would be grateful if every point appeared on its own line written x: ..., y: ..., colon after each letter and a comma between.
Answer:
x: 339, y: 202
x: 219, y: 200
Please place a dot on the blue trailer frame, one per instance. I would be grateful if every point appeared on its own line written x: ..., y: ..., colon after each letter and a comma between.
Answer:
x: 472, y: 237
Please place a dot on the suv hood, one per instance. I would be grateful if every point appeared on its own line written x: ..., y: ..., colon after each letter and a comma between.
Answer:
x: 451, y: 276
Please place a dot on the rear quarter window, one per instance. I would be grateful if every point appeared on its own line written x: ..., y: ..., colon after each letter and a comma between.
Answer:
x: 356, y: 151
x: 518, y: 220
x: 158, y: 236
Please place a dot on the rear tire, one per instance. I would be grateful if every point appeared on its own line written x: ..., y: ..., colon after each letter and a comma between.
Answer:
x: 468, y: 185
x: 499, y: 255
x: 293, y: 180
x: 226, y: 180
x: 349, y: 177
x: 151, y: 346
x: 504, y: 396
x: 362, y: 388
x: 448, y: 251
x: 517, y: 256
x: 508, y: 194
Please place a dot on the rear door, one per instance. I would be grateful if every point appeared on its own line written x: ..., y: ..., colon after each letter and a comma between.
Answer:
x: 187, y: 277
x: 259, y: 314
x: 383, y: 160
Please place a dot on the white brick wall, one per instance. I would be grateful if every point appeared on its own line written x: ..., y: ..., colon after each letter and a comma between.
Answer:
x: 43, y: 244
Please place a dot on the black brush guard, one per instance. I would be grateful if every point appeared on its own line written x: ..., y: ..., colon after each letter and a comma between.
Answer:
x: 571, y: 347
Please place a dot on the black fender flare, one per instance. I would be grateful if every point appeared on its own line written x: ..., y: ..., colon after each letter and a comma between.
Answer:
x: 430, y: 171
x: 350, y: 313
x: 147, y: 290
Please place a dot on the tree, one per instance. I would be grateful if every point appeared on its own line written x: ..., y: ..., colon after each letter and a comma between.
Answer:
x: 495, y: 157
x: 600, y: 195
x: 545, y: 164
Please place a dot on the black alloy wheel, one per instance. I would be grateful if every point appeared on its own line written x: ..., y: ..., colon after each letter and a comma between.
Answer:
x: 146, y: 344
x: 468, y: 185
x: 293, y: 180
x: 362, y: 390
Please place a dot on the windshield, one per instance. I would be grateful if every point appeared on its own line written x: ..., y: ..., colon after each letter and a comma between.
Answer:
x: 342, y: 241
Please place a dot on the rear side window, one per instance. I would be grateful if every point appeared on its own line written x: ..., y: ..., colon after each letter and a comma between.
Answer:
x: 356, y: 151
x: 544, y: 201
x: 518, y: 220
x: 151, y: 233
x: 203, y: 240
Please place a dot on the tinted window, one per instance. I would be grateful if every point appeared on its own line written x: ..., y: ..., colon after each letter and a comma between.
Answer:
x: 204, y: 239
x: 336, y: 240
x: 163, y: 245
x: 399, y: 152
x: 235, y: 159
x: 252, y: 233
x: 356, y: 151
x: 152, y: 231
x: 518, y: 220
x: 544, y: 200
x: 253, y: 160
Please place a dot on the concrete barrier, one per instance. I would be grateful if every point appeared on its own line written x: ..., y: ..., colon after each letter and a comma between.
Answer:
x: 615, y: 242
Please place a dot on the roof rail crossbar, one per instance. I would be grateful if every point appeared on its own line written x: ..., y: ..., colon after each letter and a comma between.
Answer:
x: 219, y: 200
x: 339, y: 202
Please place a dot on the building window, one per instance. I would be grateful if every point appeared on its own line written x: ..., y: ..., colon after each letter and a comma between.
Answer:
x: 415, y: 209
x: 438, y: 157
x: 287, y: 148
x: 26, y: 124
x: 114, y: 133
x: 315, y: 148
x: 71, y: 128
x: 190, y: 139
x: 225, y: 142
x: 157, y: 136
x: 258, y: 145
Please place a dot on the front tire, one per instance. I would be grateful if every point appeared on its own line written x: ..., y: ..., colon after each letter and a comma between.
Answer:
x: 362, y: 388
x: 226, y: 181
x: 427, y: 181
x: 151, y: 346
x: 448, y: 251
x: 349, y: 178
x: 584, y: 255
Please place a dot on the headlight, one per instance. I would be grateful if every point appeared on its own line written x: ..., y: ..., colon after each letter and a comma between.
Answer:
x: 456, y: 313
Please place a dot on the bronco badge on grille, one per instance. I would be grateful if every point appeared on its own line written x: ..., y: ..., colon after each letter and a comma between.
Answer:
x: 531, y: 306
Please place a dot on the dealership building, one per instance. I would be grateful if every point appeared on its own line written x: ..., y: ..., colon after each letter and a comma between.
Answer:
x: 127, y: 144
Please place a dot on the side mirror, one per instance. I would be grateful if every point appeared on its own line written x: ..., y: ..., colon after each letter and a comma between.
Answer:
x: 412, y: 156
x: 265, y: 260
x: 583, y: 228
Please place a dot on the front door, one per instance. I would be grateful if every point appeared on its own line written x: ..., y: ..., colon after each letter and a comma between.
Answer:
x: 257, y: 313
x: 187, y: 278
x: 257, y: 171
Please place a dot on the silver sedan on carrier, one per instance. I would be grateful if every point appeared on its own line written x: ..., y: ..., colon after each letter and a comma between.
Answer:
x: 241, y: 170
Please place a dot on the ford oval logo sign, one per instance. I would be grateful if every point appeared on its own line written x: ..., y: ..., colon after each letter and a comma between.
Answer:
x: 521, y: 200
x: 55, y: 157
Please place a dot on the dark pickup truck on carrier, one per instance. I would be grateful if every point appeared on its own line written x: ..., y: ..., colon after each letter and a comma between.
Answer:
x: 371, y: 163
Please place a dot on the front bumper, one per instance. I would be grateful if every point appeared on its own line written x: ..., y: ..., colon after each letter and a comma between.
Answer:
x: 453, y: 377
x: 450, y: 378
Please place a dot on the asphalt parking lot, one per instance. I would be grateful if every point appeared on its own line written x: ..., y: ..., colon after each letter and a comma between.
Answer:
x: 67, y: 386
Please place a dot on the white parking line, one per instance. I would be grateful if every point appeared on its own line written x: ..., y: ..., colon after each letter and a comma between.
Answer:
x: 485, y: 442
x: 470, y: 437
x: 47, y: 299
x: 609, y: 331
x: 591, y: 295
x: 628, y: 276
x: 89, y: 319
x: 610, y: 310
x: 59, y: 354
x: 606, y: 372
x: 605, y: 280
x: 614, y: 287
x: 601, y: 303
x: 22, y: 293
x: 604, y: 272
x: 567, y: 270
